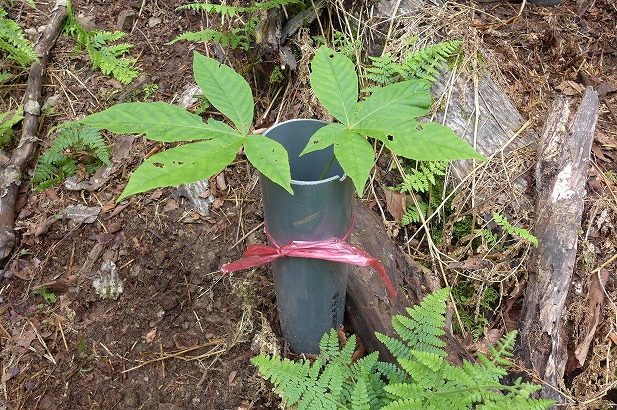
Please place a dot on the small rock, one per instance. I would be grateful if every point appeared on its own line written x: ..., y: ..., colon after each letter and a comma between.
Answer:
x: 80, y: 214
x: 107, y: 283
x: 187, y: 97
x: 154, y: 21
x: 193, y: 192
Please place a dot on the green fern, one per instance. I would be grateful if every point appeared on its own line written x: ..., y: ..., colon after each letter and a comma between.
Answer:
x: 235, y: 37
x: 425, y: 63
x: 7, y: 122
x: 14, y: 43
x: 513, y: 230
x: 419, y: 180
x: 383, y: 70
x: 422, y: 379
x: 420, y: 64
x: 76, y: 144
x: 107, y: 57
x: 232, y: 11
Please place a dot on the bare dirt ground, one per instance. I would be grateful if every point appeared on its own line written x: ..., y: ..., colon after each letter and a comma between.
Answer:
x: 181, y: 334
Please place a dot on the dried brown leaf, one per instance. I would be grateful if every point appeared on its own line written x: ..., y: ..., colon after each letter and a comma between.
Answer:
x: 396, y: 203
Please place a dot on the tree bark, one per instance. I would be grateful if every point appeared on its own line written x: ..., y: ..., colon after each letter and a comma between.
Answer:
x: 561, y: 176
x: 368, y: 307
x: 10, y: 173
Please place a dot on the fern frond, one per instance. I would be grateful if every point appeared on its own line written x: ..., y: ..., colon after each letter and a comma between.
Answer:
x: 57, y: 163
x: 424, y: 63
x: 14, y: 43
x: 414, y: 214
x: 232, y: 11
x: 383, y: 70
x: 232, y: 39
x: 522, y: 233
x: 423, y: 379
x: 359, y: 397
x: 103, y: 55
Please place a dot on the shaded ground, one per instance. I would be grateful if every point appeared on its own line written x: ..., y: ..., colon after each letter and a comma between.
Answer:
x: 181, y: 334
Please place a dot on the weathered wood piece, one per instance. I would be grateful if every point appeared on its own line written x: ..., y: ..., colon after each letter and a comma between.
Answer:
x: 561, y: 175
x: 368, y: 307
x: 10, y: 173
x: 483, y: 115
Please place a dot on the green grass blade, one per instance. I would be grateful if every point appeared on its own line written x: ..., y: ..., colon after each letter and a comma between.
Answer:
x: 390, y: 105
x: 335, y: 83
x: 226, y: 90
x: 323, y: 138
x: 355, y: 154
x: 199, y: 160
x: 159, y: 121
x: 270, y: 158
x: 431, y: 142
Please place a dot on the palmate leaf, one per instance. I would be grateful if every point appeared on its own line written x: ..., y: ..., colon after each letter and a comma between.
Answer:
x: 226, y: 90
x: 394, y: 103
x: 159, y: 121
x: 184, y: 164
x: 355, y: 155
x: 335, y: 83
x: 430, y: 142
x: 270, y: 158
x: 323, y: 137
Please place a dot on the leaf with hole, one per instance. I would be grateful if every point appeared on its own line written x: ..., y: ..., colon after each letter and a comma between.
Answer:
x: 431, y: 141
x: 356, y: 157
x: 182, y: 165
x: 159, y: 121
x: 270, y: 158
x: 335, y: 83
x: 323, y: 138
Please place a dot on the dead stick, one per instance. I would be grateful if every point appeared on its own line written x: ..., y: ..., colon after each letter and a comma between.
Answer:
x: 561, y: 176
x: 10, y: 174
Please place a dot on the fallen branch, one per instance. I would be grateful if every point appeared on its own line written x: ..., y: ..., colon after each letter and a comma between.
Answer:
x: 10, y: 173
x: 561, y: 177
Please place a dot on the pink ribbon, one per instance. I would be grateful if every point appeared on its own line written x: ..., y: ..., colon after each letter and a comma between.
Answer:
x: 332, y: 249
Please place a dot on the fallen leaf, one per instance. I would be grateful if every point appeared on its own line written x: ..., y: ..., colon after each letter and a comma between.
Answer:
x: 230, y: 379
x: 11, y: 372
x: 51, y: 194
x: 44, y: 226
x: 568, y: 87
x: 151, y: 335
x: 24, y: 338
x: 220, y: 181
x: 396, y: 203
x: 170, y: 205
x: 156, y: 194
x: 108, y: 206
x: 594, y: 306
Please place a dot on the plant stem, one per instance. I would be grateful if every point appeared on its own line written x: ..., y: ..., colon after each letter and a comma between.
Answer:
x: 327, y: 168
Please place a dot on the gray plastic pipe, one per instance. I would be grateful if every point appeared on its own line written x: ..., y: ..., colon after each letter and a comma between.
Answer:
x: 310, y: 293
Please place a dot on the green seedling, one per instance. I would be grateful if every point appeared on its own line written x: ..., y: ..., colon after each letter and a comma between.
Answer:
x: 390, y: 115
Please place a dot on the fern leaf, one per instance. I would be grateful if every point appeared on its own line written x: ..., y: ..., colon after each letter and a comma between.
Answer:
x: 360, y: 398
x: 231, y: 11
x: 13, y: 42
x: 383, y: 70
x: 424, y: 63
x: 224, y: 39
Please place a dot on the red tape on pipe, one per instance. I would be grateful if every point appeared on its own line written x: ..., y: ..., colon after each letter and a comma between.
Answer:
x: 332, y: 249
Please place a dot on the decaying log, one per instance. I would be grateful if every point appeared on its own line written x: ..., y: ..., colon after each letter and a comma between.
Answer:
x: 368, y: 307
x: 561, y: 176
x: 10, y: 173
